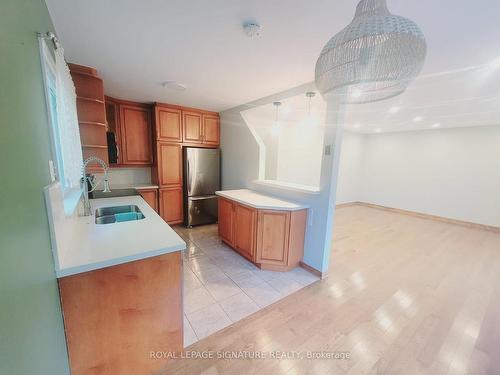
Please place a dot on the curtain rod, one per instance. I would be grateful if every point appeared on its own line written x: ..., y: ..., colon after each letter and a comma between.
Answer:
x: 50, y: 35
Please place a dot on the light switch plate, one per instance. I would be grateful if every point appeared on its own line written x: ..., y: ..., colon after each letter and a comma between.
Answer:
x: 328, y: 150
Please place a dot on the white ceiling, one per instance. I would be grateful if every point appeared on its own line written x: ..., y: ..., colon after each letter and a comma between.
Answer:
x: 136, y: 45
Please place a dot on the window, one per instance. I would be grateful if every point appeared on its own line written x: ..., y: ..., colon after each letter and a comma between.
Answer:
x: 61, y: 109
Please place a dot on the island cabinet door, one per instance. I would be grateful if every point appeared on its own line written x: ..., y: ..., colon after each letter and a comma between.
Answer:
x: 272, y: 237
x: 244, y: 230
x: 225, y: 220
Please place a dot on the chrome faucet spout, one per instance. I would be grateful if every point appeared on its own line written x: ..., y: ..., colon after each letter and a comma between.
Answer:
x: 87, y: 211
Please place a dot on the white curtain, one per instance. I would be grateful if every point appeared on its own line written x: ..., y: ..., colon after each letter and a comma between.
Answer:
x: 67, y: 121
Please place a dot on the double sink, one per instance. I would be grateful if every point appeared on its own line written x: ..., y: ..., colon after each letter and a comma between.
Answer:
x: 117, y: 214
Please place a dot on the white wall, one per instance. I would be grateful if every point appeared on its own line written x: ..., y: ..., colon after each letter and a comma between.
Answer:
x: 351, y: 164
x: 454, y: 173
x: 299, y: 153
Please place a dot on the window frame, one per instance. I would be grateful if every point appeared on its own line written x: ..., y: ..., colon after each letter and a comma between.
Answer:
x: 71, y: 196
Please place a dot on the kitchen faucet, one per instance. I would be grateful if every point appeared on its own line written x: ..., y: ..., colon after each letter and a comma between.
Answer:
x: 87, y: 211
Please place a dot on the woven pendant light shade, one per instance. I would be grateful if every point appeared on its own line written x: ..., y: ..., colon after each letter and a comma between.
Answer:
x: 374, y: 58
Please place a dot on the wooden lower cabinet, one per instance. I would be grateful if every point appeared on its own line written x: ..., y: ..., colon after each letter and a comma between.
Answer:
x: 244, y: 230
x: 170, y: 200
x: 151, y: 197
x: 272, y: 239
x: 116, y: 316
x: 226, y: 213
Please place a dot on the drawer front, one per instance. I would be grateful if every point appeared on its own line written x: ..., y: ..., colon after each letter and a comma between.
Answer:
x: 201, y: 210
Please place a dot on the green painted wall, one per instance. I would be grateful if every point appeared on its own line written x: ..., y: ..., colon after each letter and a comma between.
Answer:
x: 31, y: 328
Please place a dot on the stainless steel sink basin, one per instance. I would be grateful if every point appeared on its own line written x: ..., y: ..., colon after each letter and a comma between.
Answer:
x: 109, y: 215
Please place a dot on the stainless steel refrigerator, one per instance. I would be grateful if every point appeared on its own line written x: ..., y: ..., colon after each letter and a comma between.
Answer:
x: 201, y: 181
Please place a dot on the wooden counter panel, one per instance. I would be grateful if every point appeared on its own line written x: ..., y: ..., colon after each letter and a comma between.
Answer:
x: 114, y: 317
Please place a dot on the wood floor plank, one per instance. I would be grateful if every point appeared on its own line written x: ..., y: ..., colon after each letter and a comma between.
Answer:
x: 405, y: 295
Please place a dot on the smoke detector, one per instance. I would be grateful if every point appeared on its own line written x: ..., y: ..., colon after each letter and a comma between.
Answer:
x: 252, y: 29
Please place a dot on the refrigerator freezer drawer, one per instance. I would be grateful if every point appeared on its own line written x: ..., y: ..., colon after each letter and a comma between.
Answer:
x: 201, y: 210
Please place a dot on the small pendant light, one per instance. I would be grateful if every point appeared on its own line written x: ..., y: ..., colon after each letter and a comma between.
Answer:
x: 309, y: 120
x: 275, y: 128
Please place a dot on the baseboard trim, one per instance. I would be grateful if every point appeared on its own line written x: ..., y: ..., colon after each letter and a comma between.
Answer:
x: 348, y: 204
x: 314, y: 271
x: 442, y: 219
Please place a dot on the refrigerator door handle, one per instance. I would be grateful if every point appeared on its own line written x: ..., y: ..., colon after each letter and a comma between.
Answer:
x: 188, y: 178
x: 202, y: 198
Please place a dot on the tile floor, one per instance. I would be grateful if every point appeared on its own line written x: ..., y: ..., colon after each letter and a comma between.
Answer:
x: 221, y: 287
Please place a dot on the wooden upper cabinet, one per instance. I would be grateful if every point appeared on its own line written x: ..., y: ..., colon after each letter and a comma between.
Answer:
x: 136, y: 135
x: 192, y: 126
x: 244, y: 230
x: 211, y: 129
x: 168, y: 124
x: 272, y: 237
x: 113, y: 135
x: 225, y: 220
x: 169, y: 164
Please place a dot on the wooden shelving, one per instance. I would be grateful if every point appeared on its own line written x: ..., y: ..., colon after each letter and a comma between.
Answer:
x: 91, y: 113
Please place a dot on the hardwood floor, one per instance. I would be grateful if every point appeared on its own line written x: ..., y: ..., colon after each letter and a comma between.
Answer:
x: 405, y: 295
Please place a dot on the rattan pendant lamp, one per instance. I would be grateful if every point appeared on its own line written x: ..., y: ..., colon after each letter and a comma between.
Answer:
x: 374, y: 58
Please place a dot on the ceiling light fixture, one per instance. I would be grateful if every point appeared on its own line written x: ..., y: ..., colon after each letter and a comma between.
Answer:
x: 275, y: 128
x: 378, y: 130
x: 378, y: 54
x: 436, y: 125
x: 394, y: 109
x: 418, y: 119
x: 357, y: 125
x: 173, y: 85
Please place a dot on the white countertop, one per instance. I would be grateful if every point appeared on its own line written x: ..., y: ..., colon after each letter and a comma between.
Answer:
x: 260, y: 201
x: 82, y: 245
x: 139, y: 186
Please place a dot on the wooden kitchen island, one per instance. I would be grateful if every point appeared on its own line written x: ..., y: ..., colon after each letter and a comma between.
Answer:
x: 267, y: 231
